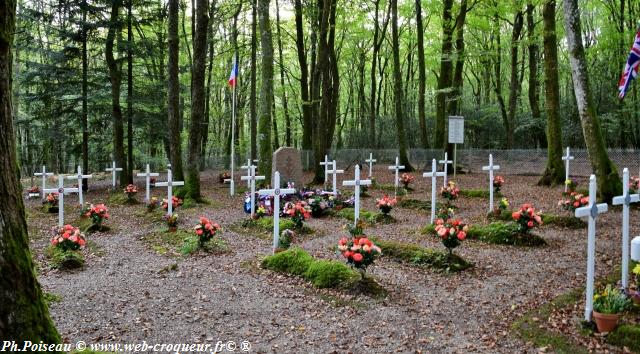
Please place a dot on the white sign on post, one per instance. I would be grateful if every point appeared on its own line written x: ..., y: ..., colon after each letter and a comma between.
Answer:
x: 456, y: 130
x: 592, y: 210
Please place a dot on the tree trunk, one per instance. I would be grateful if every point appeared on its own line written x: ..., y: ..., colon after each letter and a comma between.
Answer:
x: 254, y: 78
x: 207, y: 110
x: 444, y: 79
x: 456, y: 92
x: 554, y: 173
x: 129, y: 170
x: 85, y: 109
x: 23, y: 315
x: 285, y: 106
x: 514, y: 84
x: 609, y: 184
x: 422, y: 77
x: 534, y: 96
x: 197, y: 99
x: 173, y: 93
x: 497, y: 85
x: 115, y: 76
x: 398, y: 94
x: 304, y: 78
x: 266, y: 90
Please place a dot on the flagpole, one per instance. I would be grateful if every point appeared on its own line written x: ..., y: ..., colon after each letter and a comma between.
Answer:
x: 233, y: 126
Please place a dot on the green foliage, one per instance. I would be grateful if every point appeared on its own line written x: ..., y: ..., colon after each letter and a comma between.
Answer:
x: 292, y: 261
x: 497, y: 233
x: 416, y: 204
x: 50, y: 298
x: 64, y: 259
x: 165, y: 241
x: 611, y: 301
x: 391, y: 188
x: 368, y: 217
x: 421, y: 256
x: 626, y: 335
x: 329, y: 274
x: 568, y: 222
x: 117, y: 197
x: 215, y: 245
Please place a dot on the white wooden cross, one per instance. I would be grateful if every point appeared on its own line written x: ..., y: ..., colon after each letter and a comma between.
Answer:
x: 79, y: 177
x: 592, y: 210
x: 491, y: 168
x: 248, y: 168
x: 169, y: 184
x: 148, y: 176
x: 356, y: 183
x: 566, y: 159
x: 446, y: 162
x: 434, y: 174
x: 113, y: 171
x: 397, y: 167
x: 333, y: 171
x: 251, y: 179
x: 326, y: 163
x: 370, y: 160
x: 625, y: 199
x: 44, y: 175
x: 61, y: 190
x: 276, y: 192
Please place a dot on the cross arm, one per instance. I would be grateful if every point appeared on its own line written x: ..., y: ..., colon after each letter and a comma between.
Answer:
x: 586, y: 211
x: 619, y: 200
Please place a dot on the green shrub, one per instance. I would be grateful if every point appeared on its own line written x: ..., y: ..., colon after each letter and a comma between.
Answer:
x: 421, y: 256
x: 504, y: 234
x: 626, y: 335
x: 329, y: 274
x: 293, y: 261
x: 569, y: 222
x: 64, y: 259
x: 215, y: 245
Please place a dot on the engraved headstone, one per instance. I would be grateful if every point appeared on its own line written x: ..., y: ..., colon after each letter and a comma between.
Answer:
x: 287, y: 161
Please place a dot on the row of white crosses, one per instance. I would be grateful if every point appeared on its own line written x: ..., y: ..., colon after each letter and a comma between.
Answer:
x: 114, y: 170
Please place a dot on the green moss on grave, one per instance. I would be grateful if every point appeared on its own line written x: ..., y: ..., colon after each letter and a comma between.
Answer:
x: 369, y: 217
x: 421, y: 256
x: 499, y: 233
x: 329, y: 274
x: 292, y: 261
x: 215, y: 246
x: 563, y: 221
x: 626, y: 335
x: 263, y: 227
x: 166, y: 242
x: 60, y: 259
x: 416, y: 204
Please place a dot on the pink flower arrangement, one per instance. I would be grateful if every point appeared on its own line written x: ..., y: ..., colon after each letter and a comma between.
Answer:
x: 634, y: 184
x: 97, y: 214
x: 385, y: 204
x: 298, y: 212
x: 498, y: 181
x: 527, y: 217
x: 359, y: 252
x: 575, y: 201
x: 406, y: 179
x: 33, y: 189
x: 452, y: 232
x: 205, y: 230
x: 175, y: 201
x: 52, y: 199
x: 67, y: 238
x: 131, y: 191
x: 450, y: 192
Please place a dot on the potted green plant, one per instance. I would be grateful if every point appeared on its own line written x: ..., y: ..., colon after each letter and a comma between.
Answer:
x: 608, y: 306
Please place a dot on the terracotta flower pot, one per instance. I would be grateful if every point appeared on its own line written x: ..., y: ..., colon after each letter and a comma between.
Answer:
x: 635, y: 297
x: 606, y: 322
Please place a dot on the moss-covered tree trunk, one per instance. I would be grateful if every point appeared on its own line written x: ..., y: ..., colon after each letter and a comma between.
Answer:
x: 173, y: 94
x: 554, y: 172
x: 422, y: 77
x: 609, y: 183
x: 197, y: 98
x: 23, y: 314
x: 444, y: 79
x: 397, y: 89
x: 266, y: 90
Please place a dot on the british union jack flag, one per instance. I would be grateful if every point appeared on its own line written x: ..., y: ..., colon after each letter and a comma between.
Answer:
x: 630, y: 68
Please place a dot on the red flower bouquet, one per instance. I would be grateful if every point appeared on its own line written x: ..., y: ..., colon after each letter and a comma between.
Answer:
x: 452, y: 232
x: 97, y: 214
x: 385, y: 204
x: 131, y: 191
x: 33, y: 189
x: 175, y: 201
x: 359, y: 252
x: 527, y: 217
x: 406, y: 179
x: 450, y: 192
x: 67, y: 238
x: 51, y: 199
x: 298, y: 212
x: 498, y: 181
x: 205, y: 230
x: 575, y: 201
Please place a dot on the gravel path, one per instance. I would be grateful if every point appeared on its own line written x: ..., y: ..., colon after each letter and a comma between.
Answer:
x: 124, y: 296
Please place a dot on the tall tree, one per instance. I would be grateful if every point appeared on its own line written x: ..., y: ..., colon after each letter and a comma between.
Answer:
x: 129, y: 170
x: 378, y: 38
x: 554, y: 172
x: 173, y: 106
x: 85, y: 109
x: 398, y: 92
x: 457, y: 80
x: 514, y: 82
x: 285, y: 106
x: 115, y: 76
x: 534, y: 96
x: 307, y: 125
x: 444, y: 78
x: 266, y: 89
x: 422, y: 77
x: 197, y: 98
x: 23, y: 315
x: 609, y: 183
x: 253, y: 94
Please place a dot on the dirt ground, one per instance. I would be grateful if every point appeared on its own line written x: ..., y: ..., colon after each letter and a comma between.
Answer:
x: 126, y: 294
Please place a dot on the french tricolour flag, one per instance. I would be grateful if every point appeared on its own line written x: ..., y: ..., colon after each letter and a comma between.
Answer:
x: 630, y: 68
x: 233, y: 78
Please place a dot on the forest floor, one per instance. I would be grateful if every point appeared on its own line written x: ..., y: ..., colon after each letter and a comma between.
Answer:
x: 129, y: 290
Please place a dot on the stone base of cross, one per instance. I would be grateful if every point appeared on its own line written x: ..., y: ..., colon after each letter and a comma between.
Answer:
x: 434, y: 174
x: 61, y: 190
x: 592, y: 210
x: 625, y: 200
x: 170, y: 183
x: 79, y: 177
x: 356, y: 183
x: 44, y: 174
x: 276, y: 193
